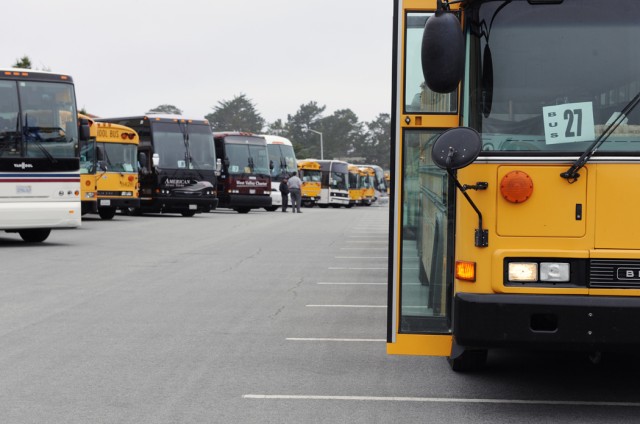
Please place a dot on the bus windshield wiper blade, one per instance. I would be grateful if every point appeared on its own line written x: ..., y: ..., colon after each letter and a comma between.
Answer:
x: 571, y: 174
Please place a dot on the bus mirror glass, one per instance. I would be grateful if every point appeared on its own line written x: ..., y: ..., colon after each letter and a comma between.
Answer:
x: 270, y: 164
x: 442, y: 52
x: 456, y: 148
x: 84, y: 131
x: 155, y: 159
x: 218, y: 165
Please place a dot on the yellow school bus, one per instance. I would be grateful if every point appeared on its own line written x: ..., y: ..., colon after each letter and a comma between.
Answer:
x: 110, y: 166
x: 355, y: 185
x: 368, y: 190
x: 311, y: 176
x: 515, y: 178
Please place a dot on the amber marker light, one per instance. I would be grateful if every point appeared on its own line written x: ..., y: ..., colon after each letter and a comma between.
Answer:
x: 466, y: 271
x: 516, y: 187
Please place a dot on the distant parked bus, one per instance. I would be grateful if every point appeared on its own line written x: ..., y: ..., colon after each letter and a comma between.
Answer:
x: 244, y: 182
x: 368, y: 182
x: 109, y: 169
x: 355, y: 185
x: 379, y: 183
x: 177, y: 163
x: 334, y: 190
x: 311, y: 176
x: 283, y: 159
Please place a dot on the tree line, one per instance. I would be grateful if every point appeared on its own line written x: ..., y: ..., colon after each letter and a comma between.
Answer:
x: 344, y: 136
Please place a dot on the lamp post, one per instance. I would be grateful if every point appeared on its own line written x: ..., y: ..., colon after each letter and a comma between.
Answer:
x: 321, y: 148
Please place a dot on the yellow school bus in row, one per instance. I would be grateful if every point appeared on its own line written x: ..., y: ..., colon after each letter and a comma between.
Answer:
x: 109, y: 169
x: 515, y: 178
x: 355, y: 185
x: 311, y: 176
x: 368, y: 190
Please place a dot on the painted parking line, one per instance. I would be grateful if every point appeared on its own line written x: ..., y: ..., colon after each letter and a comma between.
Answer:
x: 346, y: 306
x: 329, y: 339
x: 441, y: 400
x: 350, y: 284
x: 344, y: 267
x: 361, y: 257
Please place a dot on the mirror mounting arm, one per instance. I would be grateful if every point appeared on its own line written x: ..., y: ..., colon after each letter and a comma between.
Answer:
x: 481, y: 235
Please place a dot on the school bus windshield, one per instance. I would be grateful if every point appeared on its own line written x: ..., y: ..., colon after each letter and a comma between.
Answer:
x: 542, y: 81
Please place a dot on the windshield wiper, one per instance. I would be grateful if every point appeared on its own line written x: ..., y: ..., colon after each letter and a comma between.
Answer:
x: 571, y: 174
x: 36, y: 138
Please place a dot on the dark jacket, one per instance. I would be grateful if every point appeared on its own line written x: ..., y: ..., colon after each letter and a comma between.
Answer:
x: 284, y: 189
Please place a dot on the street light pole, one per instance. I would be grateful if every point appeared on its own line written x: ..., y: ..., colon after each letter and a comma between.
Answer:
x: 321, y: 147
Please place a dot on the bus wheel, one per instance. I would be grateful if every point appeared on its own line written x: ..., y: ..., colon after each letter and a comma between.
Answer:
x: 323, y: 206
x: 35, y: 235
x: 271, y: 208
x: 107, y: 213
x: 243, y: 210
x: 188, y: 214
x: 469, y: 360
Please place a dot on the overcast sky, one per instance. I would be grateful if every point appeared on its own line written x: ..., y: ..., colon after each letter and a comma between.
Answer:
x: 129, y: 56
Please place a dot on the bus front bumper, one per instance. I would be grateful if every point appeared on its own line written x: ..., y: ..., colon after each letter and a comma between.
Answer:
x: 562, y: 322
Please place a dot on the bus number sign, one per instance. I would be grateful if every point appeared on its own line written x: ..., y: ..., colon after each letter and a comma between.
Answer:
x: 567, y: 123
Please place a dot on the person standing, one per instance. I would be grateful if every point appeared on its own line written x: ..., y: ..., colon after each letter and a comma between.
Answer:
x: 284, y: 191
x: 295, y: 185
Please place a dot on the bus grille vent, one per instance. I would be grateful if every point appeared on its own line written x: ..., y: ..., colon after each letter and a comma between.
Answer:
x: 614, y: 274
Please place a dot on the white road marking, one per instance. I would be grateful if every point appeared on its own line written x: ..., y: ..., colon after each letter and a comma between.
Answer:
x: 328, y: 339
x: 346, y: 306
x: 352, y: 284
x: 442, y: 400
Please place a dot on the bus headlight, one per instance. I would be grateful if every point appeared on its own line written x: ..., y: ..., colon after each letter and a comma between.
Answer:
x: 554, y: 271
x: 523, y: 271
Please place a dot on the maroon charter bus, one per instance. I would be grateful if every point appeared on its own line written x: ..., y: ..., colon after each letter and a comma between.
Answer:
x: 244, y: 182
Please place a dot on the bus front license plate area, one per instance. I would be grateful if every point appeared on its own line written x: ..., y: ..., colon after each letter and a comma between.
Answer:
x: 193, y: 207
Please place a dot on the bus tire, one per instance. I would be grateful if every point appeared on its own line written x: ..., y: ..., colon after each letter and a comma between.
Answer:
x: 243, y: 210
x: 188, y: 214
x: 36, y: 235
x: 323, y: 206
x: 107, y: 213
x: 469, y: 360
x: 271, y: 208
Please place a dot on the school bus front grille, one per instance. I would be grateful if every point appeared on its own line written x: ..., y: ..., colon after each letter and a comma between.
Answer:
x: 614, y: 274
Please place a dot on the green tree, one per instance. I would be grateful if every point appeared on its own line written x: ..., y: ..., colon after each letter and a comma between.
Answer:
x: 277, y: 127
x: 342, y: 134
x: 24, y: 62
x: 377, y: 145
x: 171, y: 109
x: 306, y: 143
x: 238, y: 114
